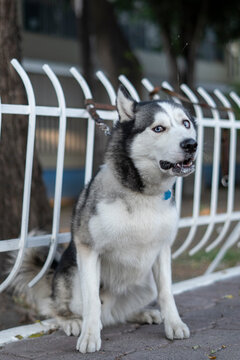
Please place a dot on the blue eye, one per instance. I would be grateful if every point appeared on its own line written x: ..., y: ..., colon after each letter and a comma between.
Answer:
x: 186, y: 123
x: 158, y: 129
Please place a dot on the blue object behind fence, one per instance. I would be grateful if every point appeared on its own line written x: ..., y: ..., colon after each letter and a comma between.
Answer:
x: 73, y: 182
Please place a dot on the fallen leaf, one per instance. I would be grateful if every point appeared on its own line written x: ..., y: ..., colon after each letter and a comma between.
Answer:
x: 195, y: 347
x: 36, y: 335
x: 19, y: 337
x: 228, y: 296
x: 214, y: 351
x: 211, y: 357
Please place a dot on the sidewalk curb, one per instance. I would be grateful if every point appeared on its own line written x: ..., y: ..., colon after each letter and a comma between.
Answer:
x: 26, y: 331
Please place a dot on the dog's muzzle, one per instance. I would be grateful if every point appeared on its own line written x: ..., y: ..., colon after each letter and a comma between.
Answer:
x: 185, y: 167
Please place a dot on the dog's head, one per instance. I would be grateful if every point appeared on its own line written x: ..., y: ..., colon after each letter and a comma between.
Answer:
x: 163, y: 134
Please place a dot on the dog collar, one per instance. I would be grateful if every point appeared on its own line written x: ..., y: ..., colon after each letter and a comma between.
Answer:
x: 167, y: 195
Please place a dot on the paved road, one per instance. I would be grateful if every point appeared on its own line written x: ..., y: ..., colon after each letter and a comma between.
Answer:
x: 212, y: 313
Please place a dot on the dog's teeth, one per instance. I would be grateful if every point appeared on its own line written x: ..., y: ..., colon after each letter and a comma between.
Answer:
x: 187, y: 163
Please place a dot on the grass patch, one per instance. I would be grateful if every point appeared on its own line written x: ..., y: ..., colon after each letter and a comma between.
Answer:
x: 232, y: 257
x: 186, y: 267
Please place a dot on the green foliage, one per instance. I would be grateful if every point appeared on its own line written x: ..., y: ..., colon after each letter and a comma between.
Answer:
x: 183, y: 25
x: 231, y: 258
x: 128, y: 55
x: 225, y: 19
x: 125, y: 71
x: 236, y: 88
x: 123, y: 5
x: 181, y: 17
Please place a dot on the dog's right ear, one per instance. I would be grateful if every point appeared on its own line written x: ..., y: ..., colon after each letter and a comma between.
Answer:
x: 125, y: 104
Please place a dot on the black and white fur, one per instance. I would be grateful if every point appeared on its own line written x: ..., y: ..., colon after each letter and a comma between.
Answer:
x: 119, y: 259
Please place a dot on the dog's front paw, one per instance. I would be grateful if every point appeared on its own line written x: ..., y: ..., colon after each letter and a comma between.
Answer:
x: 176, y: 329
x: 89, y: 341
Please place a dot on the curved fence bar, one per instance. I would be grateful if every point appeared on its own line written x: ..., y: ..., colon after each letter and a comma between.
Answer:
x: 59, y: 173
x: 215, y: 171
x: 179, y: 182
x: 130, y: 87
x: 166, y: 85
x: 235, y: 98
x: 198, y: 173
x: 91, y: 125
x: 231, y: 175
x: 28, y: 172
x: 108, y: 86
x: 149, y: 86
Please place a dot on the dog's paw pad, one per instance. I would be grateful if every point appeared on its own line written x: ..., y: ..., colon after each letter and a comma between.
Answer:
x: 88, y: 342
x: 176, y: 330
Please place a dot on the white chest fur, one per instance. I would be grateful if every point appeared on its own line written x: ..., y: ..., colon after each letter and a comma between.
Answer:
x: 129, y: 233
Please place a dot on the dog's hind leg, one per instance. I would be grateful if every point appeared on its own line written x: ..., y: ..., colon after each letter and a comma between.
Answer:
x: 147, y: 316
x: 70, y: 325
x: 130, y: 306
x: 66, y: 300
x: 68, y: 321
x: 148, y: 294
x: 89, y: 272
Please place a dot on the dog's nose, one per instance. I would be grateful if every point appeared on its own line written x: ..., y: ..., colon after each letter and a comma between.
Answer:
x: 189, y: 145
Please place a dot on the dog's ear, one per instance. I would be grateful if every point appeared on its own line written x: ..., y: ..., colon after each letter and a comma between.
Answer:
x: 125, y: 104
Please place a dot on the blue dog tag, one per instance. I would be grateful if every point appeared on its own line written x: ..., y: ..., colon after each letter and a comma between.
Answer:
x: 167, y: 195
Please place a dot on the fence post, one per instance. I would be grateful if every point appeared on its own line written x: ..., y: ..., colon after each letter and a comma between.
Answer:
x: 91, y: 125
x: 28, y: 172
x: 198, y: 174
x: 216, y: 158
x: 59, y: 173
x: 231, y: 177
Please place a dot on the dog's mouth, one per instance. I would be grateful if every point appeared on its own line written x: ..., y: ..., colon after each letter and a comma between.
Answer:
x: 181, y: 168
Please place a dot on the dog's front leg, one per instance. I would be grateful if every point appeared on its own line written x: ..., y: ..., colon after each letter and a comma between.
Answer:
x: 89, y: 271
x: 174, y: 326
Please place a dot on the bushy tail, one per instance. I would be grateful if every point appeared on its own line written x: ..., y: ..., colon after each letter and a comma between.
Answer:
x: 39, y: 296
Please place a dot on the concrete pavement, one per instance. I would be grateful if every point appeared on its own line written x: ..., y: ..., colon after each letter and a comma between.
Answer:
x: 212, y: 313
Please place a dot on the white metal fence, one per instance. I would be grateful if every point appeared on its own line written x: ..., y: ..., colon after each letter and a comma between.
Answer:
x: 229, y: 218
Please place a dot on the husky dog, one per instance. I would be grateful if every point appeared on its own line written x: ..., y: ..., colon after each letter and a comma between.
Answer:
x: 123, y: 226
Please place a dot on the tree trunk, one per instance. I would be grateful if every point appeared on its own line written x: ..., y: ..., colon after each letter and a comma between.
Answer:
x: 83, y: 26
x: 174, y: 71
x: 192, y: 33
x: 104, y: 45
x: 188, y: 72
x: 113, y: 51
x: 13, y: 138
x: 181, y: 32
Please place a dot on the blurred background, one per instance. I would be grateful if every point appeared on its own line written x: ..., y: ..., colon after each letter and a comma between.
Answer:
x: 196, y: 42
x: 178, y: 41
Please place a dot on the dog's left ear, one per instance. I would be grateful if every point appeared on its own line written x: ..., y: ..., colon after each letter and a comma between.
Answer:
x: 125, y: 104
